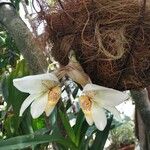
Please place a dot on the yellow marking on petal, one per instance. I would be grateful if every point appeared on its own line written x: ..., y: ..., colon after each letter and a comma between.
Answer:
x: 54, y: 95
x: 90, y: 94
x: 86, y: 104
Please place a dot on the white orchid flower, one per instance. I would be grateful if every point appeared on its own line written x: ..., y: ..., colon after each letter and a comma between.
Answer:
x: 44, y: 90
x: 95, y: 99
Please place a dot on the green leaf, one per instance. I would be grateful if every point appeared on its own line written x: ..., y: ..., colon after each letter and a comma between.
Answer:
x: 38, y: 123
x: 26, y: 123
x: 85, y: 143
x: 78, y: 126
x: 67, y: 126
x: 68, y: 105
x: 2, y: 41
x: 101, y: 136
x: 8, y: 125
x: 53, y: 118
x: 75, y: 92
x: 13, y: 96
x: 32, y: 140
x: 86, y: 132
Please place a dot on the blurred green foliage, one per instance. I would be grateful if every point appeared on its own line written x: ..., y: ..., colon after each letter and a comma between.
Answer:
x: 16, y: 3
x: 122, y: 136
x: 9, y: 53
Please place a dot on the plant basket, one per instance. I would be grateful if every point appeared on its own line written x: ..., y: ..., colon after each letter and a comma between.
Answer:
x: 128, y: 147
x: 111, y: 39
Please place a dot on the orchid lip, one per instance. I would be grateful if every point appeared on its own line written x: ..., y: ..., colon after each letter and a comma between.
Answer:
x: 86, y: 104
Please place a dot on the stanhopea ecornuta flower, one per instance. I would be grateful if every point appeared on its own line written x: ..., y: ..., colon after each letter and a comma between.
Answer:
x: 95, y: 99
x: 44, y: 90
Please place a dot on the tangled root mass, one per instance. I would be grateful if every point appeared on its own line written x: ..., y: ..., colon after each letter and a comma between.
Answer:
x: 111, y: 39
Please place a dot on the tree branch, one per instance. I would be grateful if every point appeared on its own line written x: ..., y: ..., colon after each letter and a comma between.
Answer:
x: 143, y: 106
x: 24, y: 39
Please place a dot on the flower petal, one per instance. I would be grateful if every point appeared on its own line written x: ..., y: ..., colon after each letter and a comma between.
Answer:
x: 89, y: 119
x: 93, y: 87
x: 99, y: 117
x: 110, y: 97
x: 36, y: 83
x: 49, y: 109
x: 106, y: 96
x: 39, y: 105
x: 114, y: 111
x: 27, y: 102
